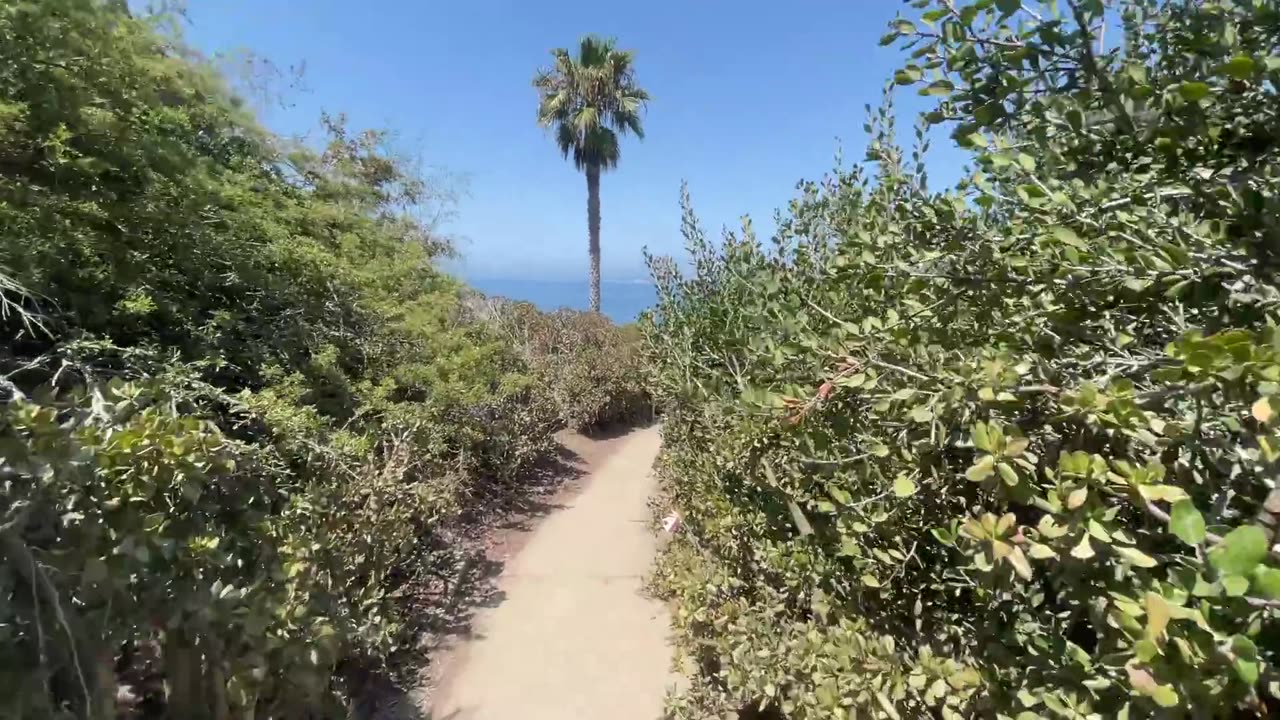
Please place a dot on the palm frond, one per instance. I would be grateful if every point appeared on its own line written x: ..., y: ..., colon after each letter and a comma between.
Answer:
x: 620, y: 65
x: 587, y: 119
x: 567, y: 139
x: 601, y: 148
x: 625, y: 121
x: 595, y: 51
x: 553, y: 107
x: 590, y: 100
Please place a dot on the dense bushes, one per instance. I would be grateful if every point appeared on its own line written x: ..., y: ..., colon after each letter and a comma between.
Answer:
x: 241, y: 402
x: 590, y: 369
x: 1007, y: 451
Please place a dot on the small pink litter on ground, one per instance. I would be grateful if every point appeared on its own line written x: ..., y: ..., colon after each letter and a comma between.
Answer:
x: 671, y: 523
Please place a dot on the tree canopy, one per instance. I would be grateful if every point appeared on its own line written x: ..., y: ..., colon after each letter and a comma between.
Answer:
x: 589, y: 100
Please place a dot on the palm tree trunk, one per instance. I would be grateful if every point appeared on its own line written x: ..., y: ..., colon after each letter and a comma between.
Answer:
x: 593, y: 230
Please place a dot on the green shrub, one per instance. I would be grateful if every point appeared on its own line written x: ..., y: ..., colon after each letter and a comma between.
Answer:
x: 1007, y: 451
x: 242, y: 404
x: 590, y: 369
x: 134, y: 523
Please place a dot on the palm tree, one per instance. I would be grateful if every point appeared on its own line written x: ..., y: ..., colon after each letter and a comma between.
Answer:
x: 588, y: 102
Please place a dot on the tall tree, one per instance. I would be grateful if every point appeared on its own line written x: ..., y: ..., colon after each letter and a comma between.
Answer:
x: 588, y: 102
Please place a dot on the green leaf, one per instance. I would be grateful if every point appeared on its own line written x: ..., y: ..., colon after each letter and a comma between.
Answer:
x: 1158, y: 615
x: 986, y: 114
x: 1019, y: 563
x: 1098, y: 531
x: 1240, y: 551
x: 1235, y: 585
x: 1266, y: 581
x: 1193, y: 91
x: 1136, y: 557
x: 1067, y: 236
x: 1083, y: 550
x: 1041, y: 552
x: 1008, y: 7
x: 839, y: 494
x: 1186, y: 522
x: 1165, y: 696
x: 1167, y: 493
x: 870, y: 581
x: 904, y: 487
x: 938, y: 87
x: 1145, y: 650
x: 1270, y: 450
x: 1246, y: 659
x: 1032, y: 190
x: 983, y: 469
x: 1201, y: 588
x: 1007, y: 473
x: 1238, y: 67
x: 981, y: 437
x: 1016, y: 446
x: 907, y: 75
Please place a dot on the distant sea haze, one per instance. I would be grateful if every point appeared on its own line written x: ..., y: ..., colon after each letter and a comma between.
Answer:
x: 622, y: 302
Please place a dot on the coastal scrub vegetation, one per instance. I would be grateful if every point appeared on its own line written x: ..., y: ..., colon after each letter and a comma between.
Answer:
x: 242, y: 404
x: 1008, y: 450
x: 591, y: 371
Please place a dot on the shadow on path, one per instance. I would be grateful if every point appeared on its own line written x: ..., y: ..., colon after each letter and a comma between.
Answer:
x: 499, y: 519
x: 576, y: 635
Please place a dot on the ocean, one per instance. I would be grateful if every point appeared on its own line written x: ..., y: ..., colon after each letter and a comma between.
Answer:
x: 622, y: 302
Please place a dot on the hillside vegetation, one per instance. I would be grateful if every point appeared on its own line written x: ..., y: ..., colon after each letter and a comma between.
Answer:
x: 242, y: 405
x: 1008, y: 450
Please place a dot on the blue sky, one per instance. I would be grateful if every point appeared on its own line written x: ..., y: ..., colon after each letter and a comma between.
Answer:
x: 749, y: 97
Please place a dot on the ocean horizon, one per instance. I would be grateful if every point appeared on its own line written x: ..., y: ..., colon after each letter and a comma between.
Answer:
x: 620, y: 301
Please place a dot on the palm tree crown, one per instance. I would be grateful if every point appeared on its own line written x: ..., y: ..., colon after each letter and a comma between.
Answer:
x: 589, y: 101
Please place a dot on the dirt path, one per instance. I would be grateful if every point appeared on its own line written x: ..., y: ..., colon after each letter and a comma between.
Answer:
x: 573, y: 637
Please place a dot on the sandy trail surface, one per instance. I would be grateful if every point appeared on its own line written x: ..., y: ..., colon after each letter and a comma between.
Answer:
x: 573, y: 636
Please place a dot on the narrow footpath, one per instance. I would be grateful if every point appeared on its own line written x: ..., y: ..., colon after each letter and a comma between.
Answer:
x: 573, y: 636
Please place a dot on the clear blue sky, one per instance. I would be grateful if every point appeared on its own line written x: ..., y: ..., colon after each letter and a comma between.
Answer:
x: 749, y: 96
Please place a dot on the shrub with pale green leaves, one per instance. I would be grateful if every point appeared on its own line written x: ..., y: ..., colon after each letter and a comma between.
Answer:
x: 1009, y: 450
